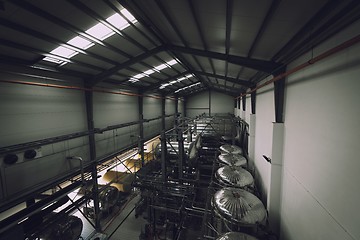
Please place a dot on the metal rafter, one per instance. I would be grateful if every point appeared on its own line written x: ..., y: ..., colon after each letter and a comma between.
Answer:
x: 199, y: 29
x: 122, y: 34
x: 35, y: 10
x: 272, y: 9
x: 229, y: 7
x: 116, y: 9
x: 307, y: 28
x: 347, y: 15
x: 229, y: 79
x: 264, y: 24
x: 152, y: 28
x: 105, y: 74
x: 43, y: 53
x: 157, y: 85
x: 301, y: 41
x: 257, y: 64
x: 177, y: 31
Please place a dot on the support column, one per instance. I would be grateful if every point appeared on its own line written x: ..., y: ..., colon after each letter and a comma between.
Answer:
x: 243, y: 107
x: 163, y: 140
x: 141, y: 129
x: 279, y: 96
x: 184, y: 107
x: 252, y: 128
x: 238, y: 106
x: 276, y: 172
x: 92, y: 146
x: 209, y: 102
x: 253, y: 102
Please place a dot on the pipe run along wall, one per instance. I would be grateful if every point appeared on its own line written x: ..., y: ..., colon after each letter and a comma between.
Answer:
x: 30, y: 113
x: 319, y: 168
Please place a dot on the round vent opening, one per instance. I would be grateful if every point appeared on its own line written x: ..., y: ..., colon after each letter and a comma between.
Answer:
x: 10, y: 158
x: 30, y: 154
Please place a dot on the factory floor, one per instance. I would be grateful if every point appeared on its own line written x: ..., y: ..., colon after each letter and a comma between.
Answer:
x: 125, y: 226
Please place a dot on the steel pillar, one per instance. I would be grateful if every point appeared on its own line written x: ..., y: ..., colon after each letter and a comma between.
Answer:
x: 163, y: 140
x: 253, y: 102
x: 92, y: 147
x: 141, y: 129
x: 279, y: 96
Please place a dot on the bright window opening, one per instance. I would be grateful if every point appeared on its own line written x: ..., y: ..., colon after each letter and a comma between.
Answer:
x: 64, y: 52
x: 99, y: 31
x: 176, y: 81
x: 155, y: 69
x: 190, y: 86
x: 80, y: 42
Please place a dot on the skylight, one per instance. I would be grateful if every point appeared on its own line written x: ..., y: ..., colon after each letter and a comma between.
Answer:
x: 176, y: 81
x: 99, y: 31
x: 64, y: 52
x: 151, y: 71
x: 81, y: 42
x: 190, y: 86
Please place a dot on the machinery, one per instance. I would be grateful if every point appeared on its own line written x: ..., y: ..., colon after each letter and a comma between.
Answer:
x: 204, y: 192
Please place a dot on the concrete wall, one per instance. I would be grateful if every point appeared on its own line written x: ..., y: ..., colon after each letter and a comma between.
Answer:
x: 29, y: 113
x: 310, y: 188
x: 112, y: 109
x: 265, y: 116
x: 209, y: 103
x: 319, y: 193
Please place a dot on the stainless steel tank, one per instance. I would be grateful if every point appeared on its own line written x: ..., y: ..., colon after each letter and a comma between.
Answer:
x: 232, y: 159
x: 235, y: 236
x: 227, y: 148
x: 234, y: 176
x: 238, y: 205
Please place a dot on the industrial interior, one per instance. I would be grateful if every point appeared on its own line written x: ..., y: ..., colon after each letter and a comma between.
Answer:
x: 182, y: 119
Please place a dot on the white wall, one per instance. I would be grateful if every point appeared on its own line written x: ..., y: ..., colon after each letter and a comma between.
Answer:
x: 112, y: 109
x: 197, y: 104
x: 215, y: 102
x: 320, y: 199
x: 221, y: 103
x: 29, y: 113
x: 263, y: 137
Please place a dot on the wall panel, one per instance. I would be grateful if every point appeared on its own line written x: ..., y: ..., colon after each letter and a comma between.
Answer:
x: 321, y: 146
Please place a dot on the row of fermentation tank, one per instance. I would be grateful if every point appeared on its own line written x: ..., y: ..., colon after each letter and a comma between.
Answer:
x: 238, y: 211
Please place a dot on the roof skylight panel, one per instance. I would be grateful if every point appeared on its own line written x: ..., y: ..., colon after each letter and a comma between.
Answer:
x: 161, y: 67
x: 128, y: 15
x: 118, y: 21
x: 64, y: 52
x: 100, y: 31
x: 81, y: 42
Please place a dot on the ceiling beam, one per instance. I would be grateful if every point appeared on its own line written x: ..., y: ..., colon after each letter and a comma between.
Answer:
x: 229, y: 79
x: 157, y: 85
x: 24, y: 48
x: 83, y: 7
x: 305, y: 31
x: 261, y: 65
x: 201, y: 33
x: 105, y: 74
x: 229, y: 8
x: 273, y: 7
x: 177, y: 31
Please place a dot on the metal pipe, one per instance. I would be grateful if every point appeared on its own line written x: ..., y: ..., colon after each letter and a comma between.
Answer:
x: 81, y: 167
x: 320, y: 57
x: 37, y: 207
x: 81, y: 89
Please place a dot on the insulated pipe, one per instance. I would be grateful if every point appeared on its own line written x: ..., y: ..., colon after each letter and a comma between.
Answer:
x: 320, y: 57
x: 81, y: 167
x: 80, y: 89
